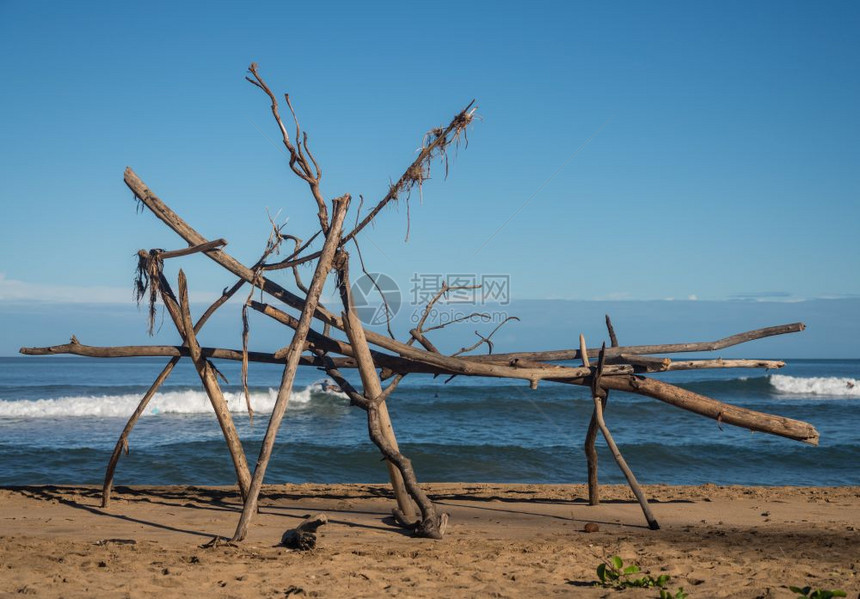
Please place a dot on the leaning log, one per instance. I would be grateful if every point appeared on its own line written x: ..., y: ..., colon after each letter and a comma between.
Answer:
x: 719, y: 411
x: 297, y: 346
x: 181, y: 315
x: 122, y: 442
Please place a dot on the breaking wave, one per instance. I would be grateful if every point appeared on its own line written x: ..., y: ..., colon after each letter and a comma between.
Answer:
x: 167, y: 402
x: 830, y: 386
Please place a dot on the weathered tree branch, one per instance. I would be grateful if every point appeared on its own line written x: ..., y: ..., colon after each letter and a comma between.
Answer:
x: 298, y: 160
x: 179, y: 312
x: 705, y: 406
x: 340, y: 207
x: 210, y: 245
x: 598, y: 394
x: 122, y: 442
x: 669, y: 348
x: 402, y: 475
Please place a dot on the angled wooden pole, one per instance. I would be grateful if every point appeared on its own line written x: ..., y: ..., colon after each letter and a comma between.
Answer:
x: 179, y: 313
x: 591, y: 436
x: 210, y: 383
x: 379, y: 420
x: 619, y: 459
x: 122, y: 442
x: 596, y: 392
x: 403, y: 479
x: 297, y: 345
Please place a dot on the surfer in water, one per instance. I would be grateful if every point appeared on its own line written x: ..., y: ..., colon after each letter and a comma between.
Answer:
x: 329, y: 387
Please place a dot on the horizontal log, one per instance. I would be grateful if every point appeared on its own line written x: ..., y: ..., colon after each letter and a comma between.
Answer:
x: 668, y: 348
x: 711, y: 408
x: 415, y: 360
x: 204, y: 247
x: 688, y: 400
x: 650, y: 364
x: 642, y: 363
x: 721, y: 363
x: 146, y: 351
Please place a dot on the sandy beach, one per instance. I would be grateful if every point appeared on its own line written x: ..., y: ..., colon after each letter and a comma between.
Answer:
x: 502, y: 541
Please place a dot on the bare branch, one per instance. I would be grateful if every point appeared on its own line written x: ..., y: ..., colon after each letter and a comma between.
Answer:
x: 388, y: 311
x: 298, y: 162
x: 486, y: 339
x: 436, y: 143
x: 669, y: 348
x: 613, y: 340
x: 288, y: 262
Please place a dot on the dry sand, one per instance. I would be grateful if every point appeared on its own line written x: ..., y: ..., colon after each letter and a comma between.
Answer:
x: 502, y: 541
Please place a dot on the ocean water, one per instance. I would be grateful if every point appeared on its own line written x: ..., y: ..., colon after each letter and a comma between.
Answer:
x: 60, y: 418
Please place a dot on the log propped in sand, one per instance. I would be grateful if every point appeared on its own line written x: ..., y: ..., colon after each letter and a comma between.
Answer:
x: 334, y: 339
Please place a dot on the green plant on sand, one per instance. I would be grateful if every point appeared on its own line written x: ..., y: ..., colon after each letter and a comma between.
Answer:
x: 615, y: 574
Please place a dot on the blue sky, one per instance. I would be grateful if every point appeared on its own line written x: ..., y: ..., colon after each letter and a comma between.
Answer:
x: 722, y: 163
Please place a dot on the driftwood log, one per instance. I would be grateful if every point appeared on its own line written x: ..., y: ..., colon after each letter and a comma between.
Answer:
x: 304, y: 536
x: 383, y: 361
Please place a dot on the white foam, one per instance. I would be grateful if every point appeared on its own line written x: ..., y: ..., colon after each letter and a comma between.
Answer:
x: 169, y: 402
x: 830, y: 386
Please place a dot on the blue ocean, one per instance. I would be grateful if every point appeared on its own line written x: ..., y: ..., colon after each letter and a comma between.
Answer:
x: 60, y: 418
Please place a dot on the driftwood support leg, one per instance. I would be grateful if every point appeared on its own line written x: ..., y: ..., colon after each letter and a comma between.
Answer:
x: 591, y: 456
x: 403, y: 479
x: 383, y: 437
x: 591, y: 439
x: 405, y: 510
x: 379, y: 422
x: 206, y: 372
x: 631, y: 479
x: 591, y: 435
x: 599, y: 395
x: 292, y: 363
x: 431, y: 525
x: 181, y: 316
x: 122, y: 442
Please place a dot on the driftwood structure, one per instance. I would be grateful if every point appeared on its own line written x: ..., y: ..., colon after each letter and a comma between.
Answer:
x: 333, y: 339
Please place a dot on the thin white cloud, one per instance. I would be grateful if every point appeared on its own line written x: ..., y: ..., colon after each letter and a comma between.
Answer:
x: 12, y: 290
x: 831, y: 296
x: 767, y: 296
x: 613, y: 296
